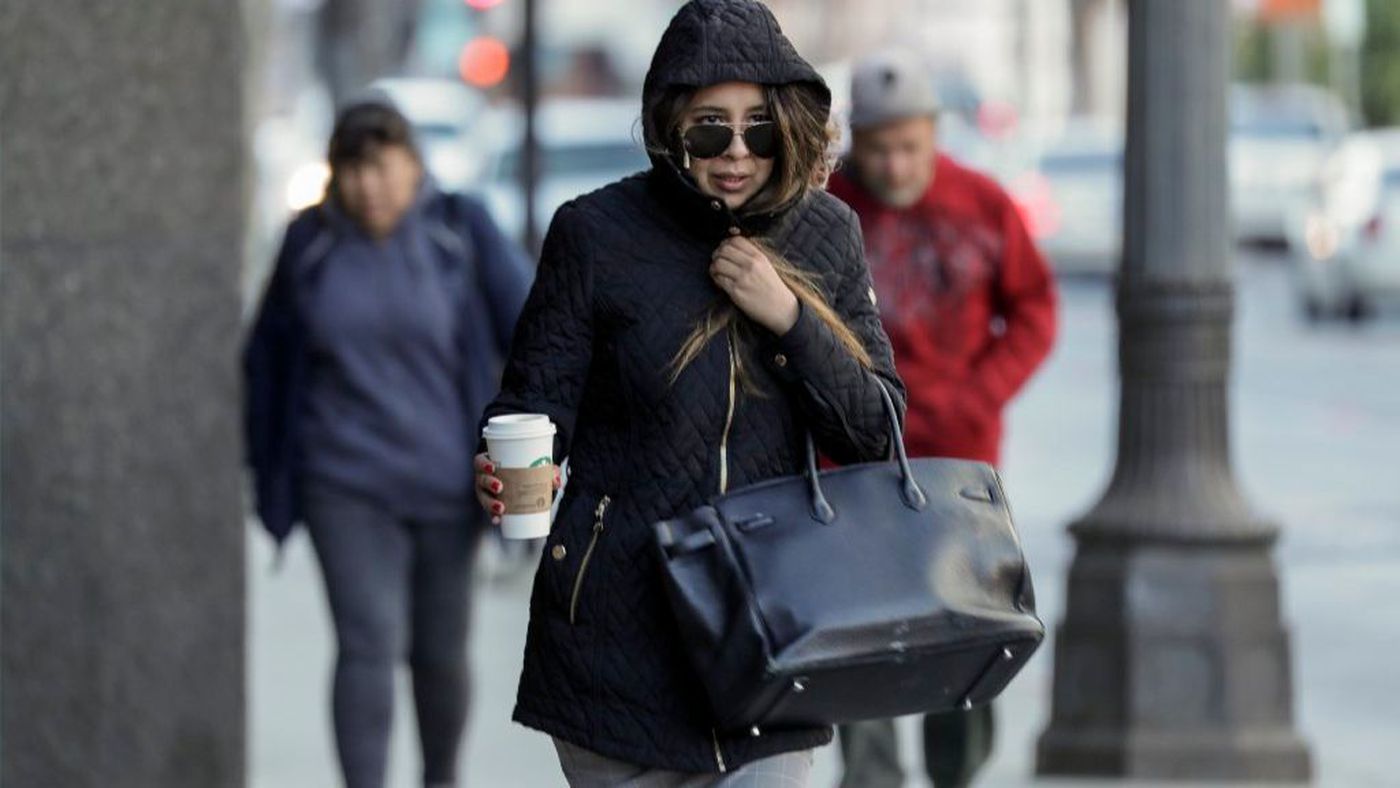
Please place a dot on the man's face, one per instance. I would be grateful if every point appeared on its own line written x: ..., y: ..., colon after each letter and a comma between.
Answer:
x: 894, y: 160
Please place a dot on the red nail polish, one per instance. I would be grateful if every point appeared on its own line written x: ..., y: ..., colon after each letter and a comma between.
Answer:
x: 495, y: 487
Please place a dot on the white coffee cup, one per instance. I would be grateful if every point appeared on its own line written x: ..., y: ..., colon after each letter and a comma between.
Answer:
x: 521, y: 446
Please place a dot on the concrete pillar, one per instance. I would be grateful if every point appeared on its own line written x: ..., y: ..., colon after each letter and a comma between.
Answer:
x: 1172, y: 661
x: 121, y: 536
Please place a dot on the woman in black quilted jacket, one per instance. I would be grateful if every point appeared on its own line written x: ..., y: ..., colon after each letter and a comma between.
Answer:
x: 688, y: 325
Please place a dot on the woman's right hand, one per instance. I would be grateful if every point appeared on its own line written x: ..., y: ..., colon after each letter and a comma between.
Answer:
x: 488, y: 487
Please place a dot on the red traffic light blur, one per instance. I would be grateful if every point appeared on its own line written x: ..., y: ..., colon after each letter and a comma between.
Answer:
x: 484, y: 62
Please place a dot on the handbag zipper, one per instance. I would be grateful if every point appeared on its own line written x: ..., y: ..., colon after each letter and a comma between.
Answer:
x: 587, y: 556
x: 728, y: 423
x: 719, y: 756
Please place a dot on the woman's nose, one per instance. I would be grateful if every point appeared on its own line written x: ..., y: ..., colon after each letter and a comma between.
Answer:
x: 737, y: 149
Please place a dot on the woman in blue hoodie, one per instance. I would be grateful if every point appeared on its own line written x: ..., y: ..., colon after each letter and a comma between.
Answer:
x: 376, y: 347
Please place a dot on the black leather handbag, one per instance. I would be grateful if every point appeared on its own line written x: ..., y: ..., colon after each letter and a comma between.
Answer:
x: 864, y: 592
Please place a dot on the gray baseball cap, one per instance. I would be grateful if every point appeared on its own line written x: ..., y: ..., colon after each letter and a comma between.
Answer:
x: 891, y: 85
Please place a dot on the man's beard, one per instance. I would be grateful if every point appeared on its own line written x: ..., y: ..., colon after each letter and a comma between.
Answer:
x: 897, y: 197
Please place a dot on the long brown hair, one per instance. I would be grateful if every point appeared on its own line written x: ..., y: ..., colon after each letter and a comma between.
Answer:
x: 804, y: 161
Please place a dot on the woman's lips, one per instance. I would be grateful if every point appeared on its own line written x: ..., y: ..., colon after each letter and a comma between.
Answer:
x: 731, y: 183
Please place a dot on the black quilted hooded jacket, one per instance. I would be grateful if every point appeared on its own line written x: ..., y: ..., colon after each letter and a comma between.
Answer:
x: 622, y: 280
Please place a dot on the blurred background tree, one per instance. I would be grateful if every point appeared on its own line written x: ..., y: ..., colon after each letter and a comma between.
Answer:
x: 1380, y: 64
x: 1302, y: 51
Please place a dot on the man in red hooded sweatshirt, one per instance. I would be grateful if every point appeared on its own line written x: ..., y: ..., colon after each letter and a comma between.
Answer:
x: 969, y: 306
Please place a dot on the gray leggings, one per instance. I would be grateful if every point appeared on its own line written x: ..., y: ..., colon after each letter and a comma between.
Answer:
x: 587, y: 769
x: 398, y: 589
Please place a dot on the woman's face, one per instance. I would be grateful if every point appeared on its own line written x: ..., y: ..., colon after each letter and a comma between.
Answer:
x: 378, y: 190
x: 736, y: 174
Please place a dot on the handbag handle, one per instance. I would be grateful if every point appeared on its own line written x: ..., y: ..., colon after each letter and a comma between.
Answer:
x: 910, y: 491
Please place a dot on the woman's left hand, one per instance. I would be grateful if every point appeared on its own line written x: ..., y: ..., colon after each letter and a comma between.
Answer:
x: 744, y: 273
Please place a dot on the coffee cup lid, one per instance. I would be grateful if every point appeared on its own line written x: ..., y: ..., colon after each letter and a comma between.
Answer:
x: 518, y: 425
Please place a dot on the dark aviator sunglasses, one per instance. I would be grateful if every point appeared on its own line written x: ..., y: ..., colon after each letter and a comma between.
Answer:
x: 709, y: 140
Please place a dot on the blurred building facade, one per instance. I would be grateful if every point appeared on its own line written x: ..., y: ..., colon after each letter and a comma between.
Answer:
x: 1012, y: 50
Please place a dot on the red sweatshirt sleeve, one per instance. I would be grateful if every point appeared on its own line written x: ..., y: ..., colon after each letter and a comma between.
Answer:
x: 1024, y: 293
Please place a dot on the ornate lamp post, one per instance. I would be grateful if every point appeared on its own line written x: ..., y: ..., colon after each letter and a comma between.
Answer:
x: 1172, y: 660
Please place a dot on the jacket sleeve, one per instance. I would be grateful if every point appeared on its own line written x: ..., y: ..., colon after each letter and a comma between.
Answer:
x: 503, y: 270
x: 1024, y: 298
x: 838, y: 397
x: 553, y: 344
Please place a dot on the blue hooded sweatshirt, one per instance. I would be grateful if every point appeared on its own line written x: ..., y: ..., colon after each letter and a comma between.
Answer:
x: 370, y: 360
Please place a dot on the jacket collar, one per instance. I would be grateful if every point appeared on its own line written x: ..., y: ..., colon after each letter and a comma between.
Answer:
x: 702, y: 215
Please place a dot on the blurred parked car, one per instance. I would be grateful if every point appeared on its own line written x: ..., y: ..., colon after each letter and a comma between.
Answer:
x: 1279, y: 137
x: 1348, y: 246
x: 585, y: 143
x: 444, y: 114
x: 1072, y: 197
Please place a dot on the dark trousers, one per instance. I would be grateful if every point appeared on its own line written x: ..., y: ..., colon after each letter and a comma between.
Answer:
x: 956, y: 745
x: 399, y: 590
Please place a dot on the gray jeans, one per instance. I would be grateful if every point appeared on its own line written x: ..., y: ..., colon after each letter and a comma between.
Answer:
x: 587, y: 769
x: 398, y: 591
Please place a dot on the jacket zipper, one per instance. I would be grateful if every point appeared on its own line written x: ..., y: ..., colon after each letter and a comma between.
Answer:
x: 728, y: 423
x: 587, y: 556
x: 719, y: 756
x: 723, y: 487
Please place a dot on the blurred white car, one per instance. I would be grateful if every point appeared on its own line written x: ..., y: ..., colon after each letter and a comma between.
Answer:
x: 1072, y: 198
x: 1279, y: 137
x: 444, y: 114
x: 585, y: 143
x: 1348, y: 246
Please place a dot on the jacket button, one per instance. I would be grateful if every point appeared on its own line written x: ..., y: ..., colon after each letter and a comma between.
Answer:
x: 558, y: 552
x: 716, y: 204
x: 780, y: 360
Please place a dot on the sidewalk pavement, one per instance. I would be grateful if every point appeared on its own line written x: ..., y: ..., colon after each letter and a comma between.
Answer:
x: 1317, y: 446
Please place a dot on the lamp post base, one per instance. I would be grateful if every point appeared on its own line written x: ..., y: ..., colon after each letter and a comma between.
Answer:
x: 1173, y: 663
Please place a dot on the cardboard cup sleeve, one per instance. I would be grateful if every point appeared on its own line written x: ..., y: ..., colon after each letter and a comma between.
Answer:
x: 527, y: 490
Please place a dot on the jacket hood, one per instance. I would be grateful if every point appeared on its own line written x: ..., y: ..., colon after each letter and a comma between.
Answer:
x: 714, y: 41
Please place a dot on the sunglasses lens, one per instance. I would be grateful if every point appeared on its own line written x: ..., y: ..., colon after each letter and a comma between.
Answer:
x: 761, y: 140
x: 708, y: 141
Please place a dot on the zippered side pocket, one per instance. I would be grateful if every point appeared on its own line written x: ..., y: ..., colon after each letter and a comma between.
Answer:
x: 719, y: 756
x: 728, y: 421
x: 587, y: 556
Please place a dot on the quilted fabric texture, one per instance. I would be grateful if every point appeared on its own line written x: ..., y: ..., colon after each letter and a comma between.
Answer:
x: 623, y: 278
